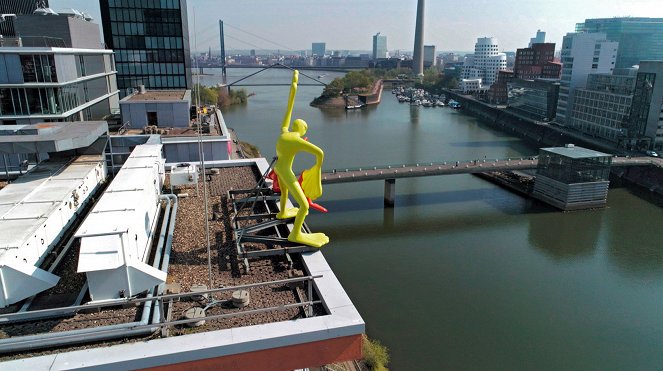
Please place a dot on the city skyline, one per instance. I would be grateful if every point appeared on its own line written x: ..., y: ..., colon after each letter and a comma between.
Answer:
x: 450, y: 29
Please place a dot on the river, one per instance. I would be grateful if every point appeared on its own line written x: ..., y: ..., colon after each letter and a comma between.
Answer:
x: 462, y: 274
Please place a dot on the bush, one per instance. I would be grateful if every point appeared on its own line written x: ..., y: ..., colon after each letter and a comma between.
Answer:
x: 376, y: 355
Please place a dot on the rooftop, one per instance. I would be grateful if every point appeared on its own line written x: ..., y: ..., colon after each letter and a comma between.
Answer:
x: 276, y: 315
x: 158, y: 95
x: 575, y: 152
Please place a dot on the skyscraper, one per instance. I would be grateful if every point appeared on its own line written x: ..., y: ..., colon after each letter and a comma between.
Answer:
x: 639, y: 39
x: 151, y: 43
x: 318, y: 49
x: 379, y: 46
x: 18, y: 7
x: 429, y: 55
x: 582, y: 54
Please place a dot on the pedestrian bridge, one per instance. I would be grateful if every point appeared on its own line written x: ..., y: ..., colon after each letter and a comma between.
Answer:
x: 390, y: 173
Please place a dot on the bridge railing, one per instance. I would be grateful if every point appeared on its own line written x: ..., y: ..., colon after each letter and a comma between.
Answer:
x: 429, y: 164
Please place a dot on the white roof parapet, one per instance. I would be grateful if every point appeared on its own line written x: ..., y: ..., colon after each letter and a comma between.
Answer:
x: 116, y: 236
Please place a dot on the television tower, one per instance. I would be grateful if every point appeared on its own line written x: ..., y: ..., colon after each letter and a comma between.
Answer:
x: 418, y: 57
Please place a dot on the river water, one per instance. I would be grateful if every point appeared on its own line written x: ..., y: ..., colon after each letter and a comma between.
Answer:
x: 462, y: 274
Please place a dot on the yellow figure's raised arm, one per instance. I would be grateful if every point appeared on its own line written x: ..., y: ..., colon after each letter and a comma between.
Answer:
x: 285, y: 126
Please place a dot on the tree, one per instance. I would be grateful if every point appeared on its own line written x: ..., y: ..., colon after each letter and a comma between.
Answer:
x: 207, y: 95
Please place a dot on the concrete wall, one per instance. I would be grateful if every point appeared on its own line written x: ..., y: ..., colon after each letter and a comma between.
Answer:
x: 76, y: 33
x: 169, y: 114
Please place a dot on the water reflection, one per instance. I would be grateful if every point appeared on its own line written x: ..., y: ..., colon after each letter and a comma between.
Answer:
x: 633, y: 244
x: 566, y: 235
x: 414, y: 115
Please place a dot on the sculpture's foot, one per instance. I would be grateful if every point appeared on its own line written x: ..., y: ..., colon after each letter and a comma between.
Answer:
x: 309, y: 239
x: 287, y: 213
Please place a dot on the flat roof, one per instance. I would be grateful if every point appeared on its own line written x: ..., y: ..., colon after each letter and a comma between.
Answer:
x: 158, y: 95
x: 334, y: 317
x: 576, y: 152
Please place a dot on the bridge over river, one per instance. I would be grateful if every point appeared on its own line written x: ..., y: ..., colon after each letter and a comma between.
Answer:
x: 390, y: 173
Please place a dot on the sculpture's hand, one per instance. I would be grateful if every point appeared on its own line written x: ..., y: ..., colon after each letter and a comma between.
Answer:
x: 295, y: 77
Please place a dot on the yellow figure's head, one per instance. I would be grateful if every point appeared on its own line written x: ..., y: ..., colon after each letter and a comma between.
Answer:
x: 300, y: 127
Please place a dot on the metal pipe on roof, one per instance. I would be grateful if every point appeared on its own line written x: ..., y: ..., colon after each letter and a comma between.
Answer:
x: 166, y: 251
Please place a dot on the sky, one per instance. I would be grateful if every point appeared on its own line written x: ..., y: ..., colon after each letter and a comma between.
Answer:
x: 350, y: 24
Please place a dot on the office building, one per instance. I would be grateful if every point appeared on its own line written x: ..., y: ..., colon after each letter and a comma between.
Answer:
x: 531, y: 62
x: 486, y: 62
x: 646, y: 119
x: 540, y: 38
x: 602, y: 107
x: 76, y: 83
x: 640, y: 39
x: 379, y: 46
x: 318, y: 49
x: 582, y: 54
x: 151, y: 43
x: 536, y: 99
x: 429, y: 56
x: 18, y: 7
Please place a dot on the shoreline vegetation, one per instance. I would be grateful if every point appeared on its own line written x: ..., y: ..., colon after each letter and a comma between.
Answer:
x: 218, y: 96
x: 360, y: 83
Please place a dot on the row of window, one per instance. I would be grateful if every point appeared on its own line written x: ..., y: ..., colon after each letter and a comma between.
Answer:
x: 146, y: 28
x: 153, y: 4
x: 150, y: 69
x: 156, y: 56
x: 143, y: 42
x: 601, y: 100
x: 152, y: 82
x: 45, y: 101
x: 38, y: 68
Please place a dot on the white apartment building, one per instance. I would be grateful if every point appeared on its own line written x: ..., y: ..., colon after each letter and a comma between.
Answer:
x: 485, y: 63
x: 582, y: 54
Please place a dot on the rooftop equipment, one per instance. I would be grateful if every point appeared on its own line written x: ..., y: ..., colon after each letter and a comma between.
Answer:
x: 35, y: 211
x: 116, y: 236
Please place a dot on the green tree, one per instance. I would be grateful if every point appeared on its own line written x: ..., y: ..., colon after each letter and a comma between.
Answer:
x: 207, y: 95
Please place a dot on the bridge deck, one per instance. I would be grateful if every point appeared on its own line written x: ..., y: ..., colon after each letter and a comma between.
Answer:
x: 448, y: 168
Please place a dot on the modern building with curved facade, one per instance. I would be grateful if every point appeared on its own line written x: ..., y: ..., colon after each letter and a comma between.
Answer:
x: 486, y: 62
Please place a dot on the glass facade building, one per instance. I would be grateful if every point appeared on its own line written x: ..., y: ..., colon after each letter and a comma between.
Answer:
x: 56, y: 84
x: 151, y: 43
x: 639, y: 39
x: 379, y: 46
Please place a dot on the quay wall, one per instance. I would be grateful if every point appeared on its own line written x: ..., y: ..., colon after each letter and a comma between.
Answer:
x: 543, y: 135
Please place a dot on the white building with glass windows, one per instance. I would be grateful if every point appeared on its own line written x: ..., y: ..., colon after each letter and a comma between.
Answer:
x: 56, y: 84
x: 582, y: 54
x: 486, y: 62
x: 66, y: 77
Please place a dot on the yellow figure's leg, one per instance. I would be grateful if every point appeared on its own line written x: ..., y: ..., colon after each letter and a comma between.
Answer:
x: 286, y: 212
x: 310, y: 239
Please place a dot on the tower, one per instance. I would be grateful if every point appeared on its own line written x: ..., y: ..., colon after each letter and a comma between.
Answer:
x: 418, y: 57
x: 223, y: 51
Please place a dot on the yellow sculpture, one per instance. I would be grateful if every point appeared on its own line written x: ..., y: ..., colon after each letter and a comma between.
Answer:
x: 287, y: 146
